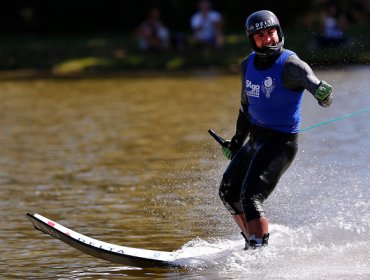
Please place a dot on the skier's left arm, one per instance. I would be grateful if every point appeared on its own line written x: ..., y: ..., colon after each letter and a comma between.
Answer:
x: 297, y: 74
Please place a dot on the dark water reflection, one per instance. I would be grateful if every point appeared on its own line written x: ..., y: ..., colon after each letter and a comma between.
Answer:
x: 126, y: 160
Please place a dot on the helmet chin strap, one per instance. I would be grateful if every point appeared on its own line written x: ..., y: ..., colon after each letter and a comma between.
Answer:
x: 266, y: 52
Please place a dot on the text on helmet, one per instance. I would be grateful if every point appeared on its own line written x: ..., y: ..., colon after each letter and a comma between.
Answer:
x: 261, y: 25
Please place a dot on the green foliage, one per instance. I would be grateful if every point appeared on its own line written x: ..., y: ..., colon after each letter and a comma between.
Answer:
x: 113, y: 52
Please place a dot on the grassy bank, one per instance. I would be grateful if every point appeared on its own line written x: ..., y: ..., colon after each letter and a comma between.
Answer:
x: 115, y: 52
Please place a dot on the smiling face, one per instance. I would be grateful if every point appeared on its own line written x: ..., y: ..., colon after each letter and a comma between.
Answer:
x: 265, y: 38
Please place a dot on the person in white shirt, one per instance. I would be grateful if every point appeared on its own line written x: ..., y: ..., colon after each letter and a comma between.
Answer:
x: 207, y: 26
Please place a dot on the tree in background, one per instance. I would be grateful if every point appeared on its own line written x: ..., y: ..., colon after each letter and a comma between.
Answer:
x: 57, y: 16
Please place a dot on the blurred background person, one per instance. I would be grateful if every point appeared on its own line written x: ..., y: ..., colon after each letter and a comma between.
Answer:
x: 207, y: 26
x: 152, y: 34
x: 332, y: 27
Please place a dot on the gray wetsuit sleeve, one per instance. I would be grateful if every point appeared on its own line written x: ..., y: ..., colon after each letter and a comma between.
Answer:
x: 244, y: 99
x: 298, y: 75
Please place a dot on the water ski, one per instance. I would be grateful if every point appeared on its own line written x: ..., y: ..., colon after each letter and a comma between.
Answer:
x: 107, y: 251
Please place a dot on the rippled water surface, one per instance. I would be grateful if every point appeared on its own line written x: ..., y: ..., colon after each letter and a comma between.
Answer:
x: 128, y: 160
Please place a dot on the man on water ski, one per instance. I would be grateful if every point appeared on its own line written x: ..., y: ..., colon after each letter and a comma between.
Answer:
x: 273, y: 82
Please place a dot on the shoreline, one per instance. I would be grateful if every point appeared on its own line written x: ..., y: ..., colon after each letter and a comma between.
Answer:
x: 31, y: 74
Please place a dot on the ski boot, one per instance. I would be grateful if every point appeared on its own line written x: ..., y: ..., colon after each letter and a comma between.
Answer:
x: 251, y: 242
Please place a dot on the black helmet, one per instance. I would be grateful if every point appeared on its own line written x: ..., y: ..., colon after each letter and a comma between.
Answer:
x: 259, y: 21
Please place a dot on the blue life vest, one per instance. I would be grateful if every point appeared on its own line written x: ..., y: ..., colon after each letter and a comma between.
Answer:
x: 271, y: 104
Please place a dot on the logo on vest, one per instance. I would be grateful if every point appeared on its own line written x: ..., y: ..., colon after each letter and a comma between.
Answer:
x: 268, y: 86
x: 252, y: 89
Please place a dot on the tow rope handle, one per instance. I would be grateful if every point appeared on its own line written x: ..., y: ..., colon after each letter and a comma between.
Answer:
x: 218, y: 138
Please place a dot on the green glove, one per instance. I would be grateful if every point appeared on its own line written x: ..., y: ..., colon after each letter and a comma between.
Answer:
x: 228, y: 153
x: 323, y: 94
x: 231, y: 147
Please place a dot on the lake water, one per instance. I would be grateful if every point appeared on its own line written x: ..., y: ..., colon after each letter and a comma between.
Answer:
x: 128, y: 160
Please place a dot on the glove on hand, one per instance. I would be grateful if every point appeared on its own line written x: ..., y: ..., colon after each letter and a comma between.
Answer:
x: 230, y: 147
x: 324, y: 94
x: 227, y: 151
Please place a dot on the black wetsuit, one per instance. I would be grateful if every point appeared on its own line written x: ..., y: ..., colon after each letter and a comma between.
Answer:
x: 256, y: 167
